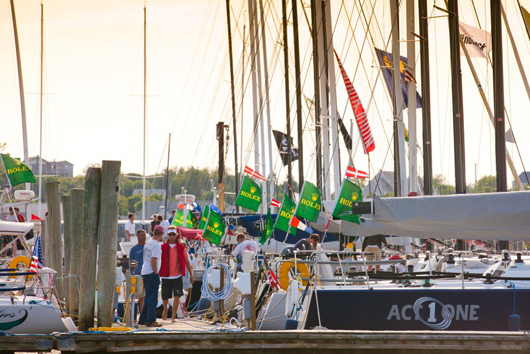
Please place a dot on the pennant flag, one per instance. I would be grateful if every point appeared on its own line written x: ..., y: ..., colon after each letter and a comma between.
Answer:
x: 267, y: 229
x: 345, y: 134
x: 215, y: 228
x: 355, y: 173
x: 281, y: 141
x: 476, y: 40
x: 385, y: 60
x: 349, y: 193
x: 250, y: 195
x: 509, y: 136
x: 35, y: 217
x: 406, y: 133
x: 204, y: 217
x: 358, y: 111
x: 300, y: 225
x: 253, y: 173
x: 36, y: 258
x: 215, y: 209
x: 275, y: 203
x: 17, y: 172
x: 309, y: 205
x: 285, y: 215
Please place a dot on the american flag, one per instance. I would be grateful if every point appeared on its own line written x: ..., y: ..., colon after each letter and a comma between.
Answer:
x: 273, y: 281
x: 253, y: 173
x: 275, y: 203
x: 354, y: 173
x: 36, y: 259
x: 408, y: 76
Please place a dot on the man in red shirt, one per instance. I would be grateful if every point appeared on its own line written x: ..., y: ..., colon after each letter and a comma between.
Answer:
x: 19, y: 216
x: 174, y: 264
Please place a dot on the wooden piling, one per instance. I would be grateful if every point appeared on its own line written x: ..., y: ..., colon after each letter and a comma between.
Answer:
x: 252, y: 300
x: 78, y: 200
x: 108, y: 240
x: 88, y: 250
x: 67, y: 240
x: 54, y: 242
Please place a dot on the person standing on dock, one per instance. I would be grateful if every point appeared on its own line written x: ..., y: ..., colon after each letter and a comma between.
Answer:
x: 130, y: 229
x: 374, y: 245
x: 173, y: 268
x: 137, y: 255
x: 150, y: 268
x: 170, y: 220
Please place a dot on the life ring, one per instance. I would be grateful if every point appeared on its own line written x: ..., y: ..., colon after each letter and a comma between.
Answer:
x: 16, y: 261
x: 286, y: 268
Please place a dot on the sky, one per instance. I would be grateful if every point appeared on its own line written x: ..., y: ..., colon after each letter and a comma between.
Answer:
x: 93, y: 69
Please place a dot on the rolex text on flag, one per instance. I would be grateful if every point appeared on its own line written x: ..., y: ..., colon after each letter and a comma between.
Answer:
x: 354, y: 173
x: 254, y: 173
x: 17, y: 172
x: 215, y: 228
x: 285, y: 215
x: 349, y: 193
x: 309, y: 205
x: 250, y: 195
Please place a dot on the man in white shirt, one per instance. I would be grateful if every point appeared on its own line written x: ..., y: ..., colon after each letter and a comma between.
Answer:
x: 243, y: 245
x: 150, y: 268
x: 130, y: 229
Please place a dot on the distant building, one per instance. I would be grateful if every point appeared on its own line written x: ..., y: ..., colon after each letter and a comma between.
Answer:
x: 52, y: 168
x: 524, y: 179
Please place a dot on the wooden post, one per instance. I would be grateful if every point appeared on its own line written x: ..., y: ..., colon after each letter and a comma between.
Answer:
x: 108, y: 242
x: 221, y: 286
x: 78, y: 199
x: 88, y: 249
x: 67, y: 232
x: 53, y: 233
x: 252, y: 300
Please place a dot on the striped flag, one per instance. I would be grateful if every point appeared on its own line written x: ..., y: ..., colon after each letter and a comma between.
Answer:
x: 275, y: 203
x: 355, y: 173
x: 408, y: 76
x: 358, y: 111
x: 253, y: 173
x: 300, y: 225
x: 36, y: 259
x: 273, y: 281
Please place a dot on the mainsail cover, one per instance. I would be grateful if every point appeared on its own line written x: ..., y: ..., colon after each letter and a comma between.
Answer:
x: 485, y: 216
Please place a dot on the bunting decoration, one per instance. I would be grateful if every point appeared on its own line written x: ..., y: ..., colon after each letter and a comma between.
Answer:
x: 358, y: 111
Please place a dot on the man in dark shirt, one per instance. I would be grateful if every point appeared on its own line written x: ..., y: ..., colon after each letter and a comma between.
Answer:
x: 373, y: 245
x: 307, y: 244
x: 137, y: 255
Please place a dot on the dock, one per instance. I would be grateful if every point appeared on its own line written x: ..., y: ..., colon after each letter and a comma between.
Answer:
x: 197, y: 336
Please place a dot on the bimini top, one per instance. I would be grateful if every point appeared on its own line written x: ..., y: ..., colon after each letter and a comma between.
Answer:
x: 15, y: 228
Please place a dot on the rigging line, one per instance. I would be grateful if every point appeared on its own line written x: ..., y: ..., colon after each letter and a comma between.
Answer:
x: 162, y: 156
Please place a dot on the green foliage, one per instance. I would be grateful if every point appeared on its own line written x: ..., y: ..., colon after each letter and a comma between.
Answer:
x: 487, y: 184
x: 439, y: 183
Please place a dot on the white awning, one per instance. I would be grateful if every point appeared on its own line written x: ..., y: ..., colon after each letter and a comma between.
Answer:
x: 15, y: 228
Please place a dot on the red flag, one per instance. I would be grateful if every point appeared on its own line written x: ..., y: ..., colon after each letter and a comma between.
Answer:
x: 354, y: 173
x: 300, y: 225
x: 35, y: 217
x: 358, y: 111
x: 253, y: 173
x: 275, y: 203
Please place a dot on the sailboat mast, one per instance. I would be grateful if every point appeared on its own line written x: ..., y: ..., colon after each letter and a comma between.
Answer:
x: 426, y: 98
x: 21, y: 89
x: 400, y: 170
x: 458, y: 109
x: 411, y: 55
x: 299, y: 123
x: 323, y: 114
x: 232, y: 89
x: 316, y: 80
x: 145, y: 111
x: 41, y: 102
x: 167, y: 175
x: 251, y: 26
x: 287, y: 98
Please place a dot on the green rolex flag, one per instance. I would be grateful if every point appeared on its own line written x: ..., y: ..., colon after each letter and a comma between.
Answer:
x: 349, y: 193
x: 309, y: 205
x: 285, y: 215
x: 215, y: 228
x: 268, y: 229
x: 17, y: 172
x: 204, y: 217
x: 178, y: 220
x: 250, y: 195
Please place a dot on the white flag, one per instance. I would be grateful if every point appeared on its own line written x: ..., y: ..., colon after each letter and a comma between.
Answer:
x: 477, y: 41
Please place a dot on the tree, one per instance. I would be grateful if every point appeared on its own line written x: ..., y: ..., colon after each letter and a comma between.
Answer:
x: 439, y: 183
x: 94, y: 164
x: 487, y: 184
